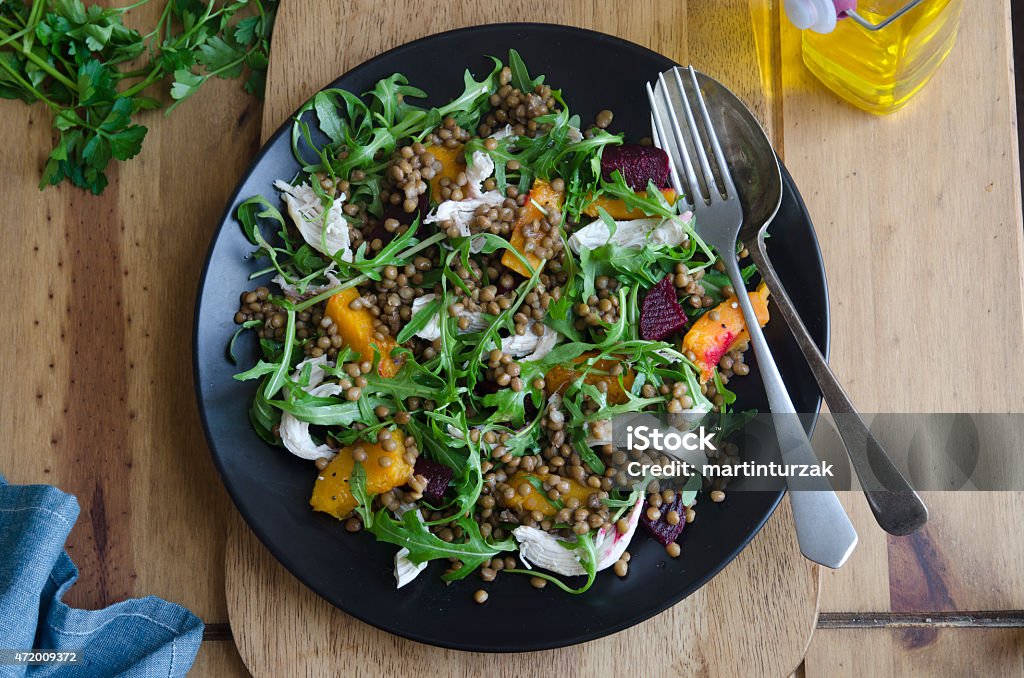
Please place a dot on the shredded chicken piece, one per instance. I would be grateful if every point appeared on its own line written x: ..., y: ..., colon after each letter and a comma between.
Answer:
x: 293, y: 431
x: 432, y: 330
x: 528, y: 345
x: 307, y: 212
x: 634, y: 233
x: 541, y: 549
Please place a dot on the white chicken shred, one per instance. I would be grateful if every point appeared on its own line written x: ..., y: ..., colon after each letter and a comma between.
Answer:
x: 307, y: 212
x: 432, y: 330
x: 295, y: 432
x: 312, y: 290
x: 530, y: 346
x: 405, y: 569
x: 481, y: 169
x: 541, y: 549
x: 504, y: 132
x: 634, y: 233
x: 462, y: 212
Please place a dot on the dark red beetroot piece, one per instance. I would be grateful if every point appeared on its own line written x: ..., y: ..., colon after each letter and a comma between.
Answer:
x: 660, y: 529
x: 438, y: 476
x: 660, y: 312
x: 399, y: 214
x: 638, y: 164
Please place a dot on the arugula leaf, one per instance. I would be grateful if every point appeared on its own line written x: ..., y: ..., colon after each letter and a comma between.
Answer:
x: 520, y: 77
x: 278, y: 376
x: 419, y: 321
x: 264, y: 418
x: 248, y: 324
x: 327, y: 115
x: 714, y: 282
x: 412, y: 533
x: 539, y: 486
x: 330, y: 411
x: 728, y: 397
x: 357, y: 485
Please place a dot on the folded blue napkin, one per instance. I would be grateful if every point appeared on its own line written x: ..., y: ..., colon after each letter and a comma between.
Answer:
x: 142, y: 637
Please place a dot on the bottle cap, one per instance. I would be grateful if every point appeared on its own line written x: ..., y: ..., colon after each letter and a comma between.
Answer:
x: 843, y: 6
x: 817, y: 15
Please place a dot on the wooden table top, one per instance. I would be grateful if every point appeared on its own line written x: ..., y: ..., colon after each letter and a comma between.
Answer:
x: 912, y: 210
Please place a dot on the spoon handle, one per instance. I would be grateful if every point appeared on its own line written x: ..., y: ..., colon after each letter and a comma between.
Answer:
x: 823, y: 530
x: 897, y: 507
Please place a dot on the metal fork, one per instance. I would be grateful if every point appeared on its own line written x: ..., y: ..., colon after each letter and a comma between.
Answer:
x: 823, y: 529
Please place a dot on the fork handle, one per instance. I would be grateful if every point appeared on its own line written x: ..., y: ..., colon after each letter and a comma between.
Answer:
x: 897, y: 507
x: 823, y: 530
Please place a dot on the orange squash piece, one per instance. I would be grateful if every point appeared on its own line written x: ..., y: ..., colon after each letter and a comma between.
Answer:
x: 543, y: 195
x: 559, y: 377
x: 450, y: 167
x: 331, y: 492
x: 534, y: 499
x: 617, y: 209
x: 711, y: 339
x: 356, y: 330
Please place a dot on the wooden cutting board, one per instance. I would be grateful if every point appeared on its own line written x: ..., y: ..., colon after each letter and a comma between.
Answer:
x: 757, y: 616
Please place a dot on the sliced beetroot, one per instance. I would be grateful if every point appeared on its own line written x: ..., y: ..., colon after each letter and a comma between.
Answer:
x: 660, y: 529
x: 438, y: 476
x: 638, y: 164
x: 660, y: 313
x: 398, y: 213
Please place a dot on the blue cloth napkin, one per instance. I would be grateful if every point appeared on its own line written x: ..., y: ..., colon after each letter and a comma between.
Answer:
x: 142, y: 637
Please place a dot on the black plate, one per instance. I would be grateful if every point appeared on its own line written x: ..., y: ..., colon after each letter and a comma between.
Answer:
x: 272, y: 488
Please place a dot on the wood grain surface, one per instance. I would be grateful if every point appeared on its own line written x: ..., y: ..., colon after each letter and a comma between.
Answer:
x: 898, y: 213
x: 99, y: 398
x: 769, y: 586
x: 914, y: 210
x: 916, y: 652
x: 755, y: 618
x: 919, y: 219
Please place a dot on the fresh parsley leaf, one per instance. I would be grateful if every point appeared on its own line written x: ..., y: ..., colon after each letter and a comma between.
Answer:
x: 73, y: 58
x: 186, y: 83
x: 127, y: 143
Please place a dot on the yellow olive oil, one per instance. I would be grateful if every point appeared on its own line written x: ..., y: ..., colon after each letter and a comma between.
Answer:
x: 879, y: 71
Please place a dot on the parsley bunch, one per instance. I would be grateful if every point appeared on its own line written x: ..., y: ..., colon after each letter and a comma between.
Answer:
x: 92, y: 71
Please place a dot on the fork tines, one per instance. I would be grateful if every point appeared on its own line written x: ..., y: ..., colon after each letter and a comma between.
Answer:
x: 667, y: 98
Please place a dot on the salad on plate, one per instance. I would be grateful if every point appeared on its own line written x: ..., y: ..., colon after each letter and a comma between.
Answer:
x: 462, y: 299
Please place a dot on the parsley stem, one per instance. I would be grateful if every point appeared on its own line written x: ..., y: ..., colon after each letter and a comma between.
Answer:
x: 14, y: 36
x: 138, y: 3
x: 153, y: 76
x: 37, y: 60
x: 28, y: 87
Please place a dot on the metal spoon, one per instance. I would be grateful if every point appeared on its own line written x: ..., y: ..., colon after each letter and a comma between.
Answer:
x: 896, y: 506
